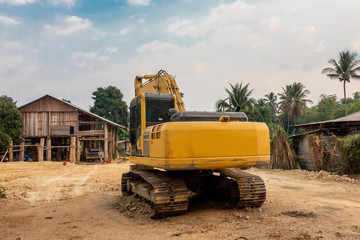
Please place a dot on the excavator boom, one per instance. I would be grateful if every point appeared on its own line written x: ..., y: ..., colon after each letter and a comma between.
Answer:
x: 162, y: 83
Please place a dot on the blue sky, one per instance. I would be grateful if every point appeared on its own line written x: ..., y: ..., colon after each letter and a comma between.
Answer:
x: 68, y: 48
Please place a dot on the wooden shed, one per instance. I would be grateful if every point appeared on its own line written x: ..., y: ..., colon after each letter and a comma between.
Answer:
x: 58, y: 130
x: 317, y: 137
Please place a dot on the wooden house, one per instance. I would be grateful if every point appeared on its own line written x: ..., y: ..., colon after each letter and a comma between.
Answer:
x: 58, y: 130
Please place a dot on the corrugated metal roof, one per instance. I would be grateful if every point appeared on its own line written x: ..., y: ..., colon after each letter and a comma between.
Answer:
x: 354, y: 117
x: 80, y: 109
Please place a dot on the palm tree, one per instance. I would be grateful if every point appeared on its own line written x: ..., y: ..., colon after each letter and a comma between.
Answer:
x: 293, y: 101
x: 238, y: 99
x: 271, y: 101
x: 345, y: 69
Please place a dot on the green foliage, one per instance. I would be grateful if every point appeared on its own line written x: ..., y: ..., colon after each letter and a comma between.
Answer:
x: 108, y: 103
x: 11, y: 123
x: 293, y: 101
x: 238, y: 99
x: 346, y: 68
x: 123, y: 134
x: 326, y: 107
x: 271, y: 102
x: 4, y: 141
x: 349, y: 150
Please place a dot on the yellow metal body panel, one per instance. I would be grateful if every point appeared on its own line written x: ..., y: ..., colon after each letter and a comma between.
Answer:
x: 206, y: 145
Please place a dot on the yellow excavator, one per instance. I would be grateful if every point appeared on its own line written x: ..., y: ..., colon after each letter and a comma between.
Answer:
x: 178, y: 154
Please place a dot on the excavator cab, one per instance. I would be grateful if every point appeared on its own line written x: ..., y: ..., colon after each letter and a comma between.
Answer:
x: 147, y: 110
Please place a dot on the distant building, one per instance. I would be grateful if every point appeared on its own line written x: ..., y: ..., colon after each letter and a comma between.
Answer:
x: 321, y: 131
x: 58, y: 130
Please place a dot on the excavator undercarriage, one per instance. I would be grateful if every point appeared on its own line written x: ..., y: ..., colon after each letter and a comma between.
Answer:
x: 170, y: 191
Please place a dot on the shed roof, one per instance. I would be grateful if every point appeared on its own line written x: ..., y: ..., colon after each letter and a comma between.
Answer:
x: 351, y: 119
x: 77, y: 108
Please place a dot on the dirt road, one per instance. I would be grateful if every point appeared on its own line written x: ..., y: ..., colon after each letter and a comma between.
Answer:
x: 52, y: 201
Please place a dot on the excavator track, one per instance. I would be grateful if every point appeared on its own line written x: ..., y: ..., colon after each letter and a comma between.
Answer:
x: 252, y: 191
x: 168, y: 194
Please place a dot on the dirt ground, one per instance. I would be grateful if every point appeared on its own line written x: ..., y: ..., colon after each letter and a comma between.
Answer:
x: 51, y: 201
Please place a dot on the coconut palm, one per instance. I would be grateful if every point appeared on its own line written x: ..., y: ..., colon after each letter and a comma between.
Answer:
x: 271, y: 101
x: 238, y: 99
x: 345, y: 69
x: 293, y: 101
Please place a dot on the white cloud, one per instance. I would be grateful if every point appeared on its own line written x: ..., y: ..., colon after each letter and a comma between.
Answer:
x: 293, y: 9
x: 84, y: 55
x: 139, y: 2
x: 321, y: 46
x: 184, y: 27
x: 220, y: 17
x: 306, y: 33
x: 13, y: 45
x: 17, y: 2
x: 69, y: 25
x: 125, y: 31
x: 272, y: 23
x: 157, y: 46
x: 103, y: 58
x: 8, y: 21
x: 356, y: 45
x: 112, y: 49
x: 68, y: 3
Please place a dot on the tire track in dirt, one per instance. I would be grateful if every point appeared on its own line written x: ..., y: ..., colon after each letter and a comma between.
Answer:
x: 65, y: 186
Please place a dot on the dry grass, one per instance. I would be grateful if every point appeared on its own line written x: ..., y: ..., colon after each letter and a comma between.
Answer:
x: 281, y: 154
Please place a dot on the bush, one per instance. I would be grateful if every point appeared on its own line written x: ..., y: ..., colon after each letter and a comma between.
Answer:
x: 349, y: 150
x: 4, y: 141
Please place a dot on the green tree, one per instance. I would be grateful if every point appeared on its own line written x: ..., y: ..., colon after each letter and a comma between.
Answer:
x: 326, y: 107
x: 345, y: 69
x: 238, y: 99
x: 260, y: 112
x: 108, y: 103
x: 293, y: 102
x: 271, y: 101
x: 11, y: 123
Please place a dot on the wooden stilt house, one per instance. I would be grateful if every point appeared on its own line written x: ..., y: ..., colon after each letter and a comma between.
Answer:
x: 58, y: 130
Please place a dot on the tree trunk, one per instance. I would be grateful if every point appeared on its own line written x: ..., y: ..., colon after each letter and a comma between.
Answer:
x: 346, y: 112
x: 288, y: 125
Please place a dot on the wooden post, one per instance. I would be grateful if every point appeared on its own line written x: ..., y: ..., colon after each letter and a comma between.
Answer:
x: 106, y: 142
x: 48, y: 149
x: 41, y: 150
x: 58, y: 154
x: 72, y: 149
x: 114, y: 142
x: 22, y: 151
x: 78, y: 154
x: 110, y: 144
x: 116, y: 152
x: 11, y: 154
